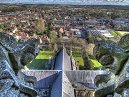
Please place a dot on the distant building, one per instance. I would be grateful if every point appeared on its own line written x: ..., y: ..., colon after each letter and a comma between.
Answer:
x: 98, y: 33
x: 44, y: 39
x: 21, y: 35
x: 105, y: 33
x: 81, y: 33
x: 61, y: 31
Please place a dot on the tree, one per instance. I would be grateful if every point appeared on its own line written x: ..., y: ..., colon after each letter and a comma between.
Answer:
x: 89, y: 49
x: 40, y: 26
x: 53, y: 40
x: 90, y: 38
x: 53, y: 37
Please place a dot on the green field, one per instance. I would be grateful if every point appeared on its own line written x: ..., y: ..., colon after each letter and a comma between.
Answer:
x: 77, y: 56
x: 39, y: 62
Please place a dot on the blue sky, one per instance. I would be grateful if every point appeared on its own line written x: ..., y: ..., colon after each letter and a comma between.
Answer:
x: 85, y: 2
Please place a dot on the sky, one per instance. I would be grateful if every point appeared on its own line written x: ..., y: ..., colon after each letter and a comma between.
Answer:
x: 76, y: 2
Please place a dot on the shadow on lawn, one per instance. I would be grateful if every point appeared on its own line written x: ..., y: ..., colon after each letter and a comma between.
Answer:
x: 38, y: 64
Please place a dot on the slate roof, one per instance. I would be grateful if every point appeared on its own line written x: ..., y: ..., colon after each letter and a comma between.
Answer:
x: 68, y: 90
x: 84, y: 79
x: 62, y: 61
x: 65, y: 85
x: 45, y: 79
x: 59, y: 61
x: 56, y: 90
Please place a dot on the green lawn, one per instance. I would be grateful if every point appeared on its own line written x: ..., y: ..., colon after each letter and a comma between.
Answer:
x: 122, y: 32
x: 77, y: 56
x: 1, y: 30
x: 113, y: 32
x: 94, y: 63
x: 118, y: 33
x: 39, y: 61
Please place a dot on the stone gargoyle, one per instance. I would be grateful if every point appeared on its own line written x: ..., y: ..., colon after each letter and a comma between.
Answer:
x: 13, y: 57
x: 114, y: 56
